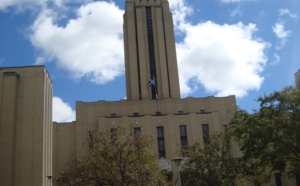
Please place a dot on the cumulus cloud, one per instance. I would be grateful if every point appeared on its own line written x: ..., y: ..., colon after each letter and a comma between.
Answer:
x: 276, y: 60
x: 234, y: 1
x: 21, y: 5
x: 281, y: 33
x: 287, y: 12
x: 225, y: 59
x: 90, y: 45
x: 62, y: 111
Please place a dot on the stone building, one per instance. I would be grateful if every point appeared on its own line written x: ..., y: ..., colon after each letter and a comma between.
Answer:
x: 25, y: 126
x: 155, y: 110
x: 32, y: 149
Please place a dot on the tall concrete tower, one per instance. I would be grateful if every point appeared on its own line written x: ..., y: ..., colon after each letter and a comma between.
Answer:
x: 150, y: 50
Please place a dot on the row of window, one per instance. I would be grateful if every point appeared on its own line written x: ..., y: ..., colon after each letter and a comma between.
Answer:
x: 157, y: 113
x: 161, y: 137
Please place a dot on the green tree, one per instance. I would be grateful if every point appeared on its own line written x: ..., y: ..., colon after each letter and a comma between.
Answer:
x: 271, y: 136
x: 213, y: 164
x: 115, y: 158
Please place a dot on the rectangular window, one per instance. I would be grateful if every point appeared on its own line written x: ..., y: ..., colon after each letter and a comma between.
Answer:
x: 227, y: 139
x: 113, y: 115
x: 278, y: 179
x: 137, y: 130
x: 180, y: 112
x: 91, y: 139
x: 161, y: 142
x: 113, y: 136
x: 135, y: 114
x: 297, y: 176
x: 205, y: 131
x: 183, y: 136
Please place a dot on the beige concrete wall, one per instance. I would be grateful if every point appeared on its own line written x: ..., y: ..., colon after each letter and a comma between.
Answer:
x: 26, y: 131
x: 94, y: 116
x: 63, y: 145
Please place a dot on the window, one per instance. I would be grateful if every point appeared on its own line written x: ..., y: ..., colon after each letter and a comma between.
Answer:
x: 151, y: 49
x: 278, y: 179
x: 202, y: 111
x: 113, y: 115
x: 297, y: 176
x: 137, y: 130
x: 180, y: 112
x: 158, y: 113
x: 161, y: 142
x: 135, y: 114
x: 227, y: 139
x: 205, y: 131
x: 91, y: 139
x: 113, y: 136
x: 183, y: 136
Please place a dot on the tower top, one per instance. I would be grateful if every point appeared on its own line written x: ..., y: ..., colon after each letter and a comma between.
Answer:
x: 150, y: 51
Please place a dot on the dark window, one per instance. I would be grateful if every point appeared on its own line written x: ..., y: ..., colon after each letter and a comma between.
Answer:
x: 91, y: 139
x: 205, y: 131
x: 135, y: 114
x: 202, y: 111
x: 297, y: 179
x: 113, y: 136
x: 113, y: 115
x: 151, y: 49
x: 180, y: 112
x: 183, y: 136
x: 161, y: 142
x: 158, y: 113
x: 137, y: 130
x: 278, y: 179
x: 227, y: 139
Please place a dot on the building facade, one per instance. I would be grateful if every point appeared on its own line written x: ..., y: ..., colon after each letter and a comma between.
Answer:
x: 25, y: 126
x: 155, y: 110
x: 32, y: 148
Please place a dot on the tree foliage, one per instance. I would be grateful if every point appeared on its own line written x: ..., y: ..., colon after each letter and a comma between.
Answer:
x: 118, y: 158
x: 271, y: 136
x: 213, y: 164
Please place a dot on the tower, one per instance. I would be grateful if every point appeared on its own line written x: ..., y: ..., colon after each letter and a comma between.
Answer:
x: 150, y: 50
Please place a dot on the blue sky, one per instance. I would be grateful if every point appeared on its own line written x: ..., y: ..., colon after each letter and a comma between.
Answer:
x: 224, y: 47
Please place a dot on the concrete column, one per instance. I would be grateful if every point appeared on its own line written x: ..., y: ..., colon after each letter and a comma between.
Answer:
x: 7, y: 127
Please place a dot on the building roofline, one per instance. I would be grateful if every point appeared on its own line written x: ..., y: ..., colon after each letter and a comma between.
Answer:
x: 29, y: 66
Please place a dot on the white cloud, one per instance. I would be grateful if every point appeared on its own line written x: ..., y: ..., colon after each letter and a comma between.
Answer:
x: 276, y: 60
x: 234, y: 1
x: 281, y: 33
x: 89, y: 46
x: 235, y: 11
x: 286, y: 11
x: 21, y: 5
x: 278, y: 29
x: 62, y: 111
x: 179, y: 11
x: 225, y: 59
